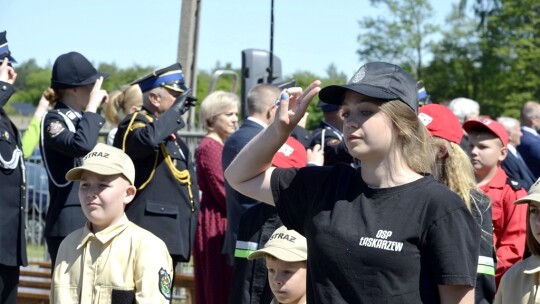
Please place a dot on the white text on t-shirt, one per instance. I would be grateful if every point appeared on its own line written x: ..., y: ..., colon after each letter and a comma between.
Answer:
x: 380, y: 241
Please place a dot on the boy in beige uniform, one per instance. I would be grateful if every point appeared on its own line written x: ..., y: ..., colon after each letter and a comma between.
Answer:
x: 286, y: 262
x: 110, y: 259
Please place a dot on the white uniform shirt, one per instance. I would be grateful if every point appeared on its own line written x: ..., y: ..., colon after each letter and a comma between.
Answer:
x: 116, y: 265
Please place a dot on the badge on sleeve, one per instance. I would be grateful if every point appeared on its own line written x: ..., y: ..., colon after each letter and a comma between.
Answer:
x: 333, y: 142
x: 55, y: 128
x: 516, y: 185
x: 165, y: 283
x: 5, y: 135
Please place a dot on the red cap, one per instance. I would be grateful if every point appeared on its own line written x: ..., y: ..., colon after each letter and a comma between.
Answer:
x: 489, y: 124
x: 291, y: 155
x: 441, y: 122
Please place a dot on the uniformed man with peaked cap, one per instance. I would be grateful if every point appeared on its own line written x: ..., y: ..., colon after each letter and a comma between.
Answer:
x: 12, y: 187
x: 167, y: 199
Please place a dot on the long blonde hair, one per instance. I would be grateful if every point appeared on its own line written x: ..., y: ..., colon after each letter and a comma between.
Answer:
x: 415, y: 148
x: 454, y: 169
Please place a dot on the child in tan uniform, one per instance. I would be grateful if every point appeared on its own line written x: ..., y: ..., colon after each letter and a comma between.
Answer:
x: 110, y: 259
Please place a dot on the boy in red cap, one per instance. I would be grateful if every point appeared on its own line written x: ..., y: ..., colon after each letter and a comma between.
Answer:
x: 487, y: 149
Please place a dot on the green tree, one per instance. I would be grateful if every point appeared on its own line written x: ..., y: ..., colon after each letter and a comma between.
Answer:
x: 304, y: 78
x: 119, y: 77
x: 482, y: 9
x: 34, y: 85
x: 32, y: 80
x: 511, y: 53
x: 225, y: 82
x: 454, y: 70
x: 402, y: 36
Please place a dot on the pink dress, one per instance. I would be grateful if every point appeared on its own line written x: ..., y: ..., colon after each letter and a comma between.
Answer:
x: 212, y: 273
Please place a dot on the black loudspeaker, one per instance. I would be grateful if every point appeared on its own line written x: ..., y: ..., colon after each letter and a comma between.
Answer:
x: 256, y: 69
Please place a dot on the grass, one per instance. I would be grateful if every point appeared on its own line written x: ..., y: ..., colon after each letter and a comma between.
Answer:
x: 36, y: 252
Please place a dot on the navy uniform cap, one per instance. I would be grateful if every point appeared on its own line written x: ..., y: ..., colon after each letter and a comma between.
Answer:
x: 327, y: 107
x: 73, y: 70
x: 170, y: 77
x: 4, y: 49
x: 423, y: 97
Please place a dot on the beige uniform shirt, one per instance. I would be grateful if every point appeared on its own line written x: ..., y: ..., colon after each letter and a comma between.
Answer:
x: 118, y: 265
x: 520, y: 284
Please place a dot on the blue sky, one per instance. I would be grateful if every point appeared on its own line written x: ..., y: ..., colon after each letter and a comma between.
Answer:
x: 308, y: 35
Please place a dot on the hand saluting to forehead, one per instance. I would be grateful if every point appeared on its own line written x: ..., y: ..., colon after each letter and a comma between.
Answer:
x: 97, y: 96
x: 293, y: 104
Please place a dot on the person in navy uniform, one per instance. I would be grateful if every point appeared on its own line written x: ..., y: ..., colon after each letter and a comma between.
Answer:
x: 167, y: 202
x: 12, y: 187
x: 529, y: 146
x: 330, y: 136
x: 68, y: 132
x: 513, y: 164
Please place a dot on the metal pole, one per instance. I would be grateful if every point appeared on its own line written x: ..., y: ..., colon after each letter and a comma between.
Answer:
x: 271, y: 67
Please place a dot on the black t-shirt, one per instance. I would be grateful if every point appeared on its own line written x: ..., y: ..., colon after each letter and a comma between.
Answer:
x: 391, y: 245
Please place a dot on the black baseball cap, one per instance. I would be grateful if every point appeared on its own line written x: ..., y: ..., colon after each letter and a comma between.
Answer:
x: 379, y: 80
x: 73, y: 70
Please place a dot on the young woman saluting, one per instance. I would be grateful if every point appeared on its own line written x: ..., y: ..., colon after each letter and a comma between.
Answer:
x: 386, y: 232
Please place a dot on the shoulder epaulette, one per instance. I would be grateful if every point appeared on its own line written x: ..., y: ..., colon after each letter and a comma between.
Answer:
x: 515, y: 184
x: 145, y: 114
x: 144, y: 118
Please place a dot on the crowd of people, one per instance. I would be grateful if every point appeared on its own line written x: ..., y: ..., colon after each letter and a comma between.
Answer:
x: 392, y: 199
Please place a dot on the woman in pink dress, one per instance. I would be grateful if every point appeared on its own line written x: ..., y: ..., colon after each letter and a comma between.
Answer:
x: 219, y: 117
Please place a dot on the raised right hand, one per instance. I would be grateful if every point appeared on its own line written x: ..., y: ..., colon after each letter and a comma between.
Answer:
x: 293, y: 105
x: 97, y: 96
x: 184, y: 102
